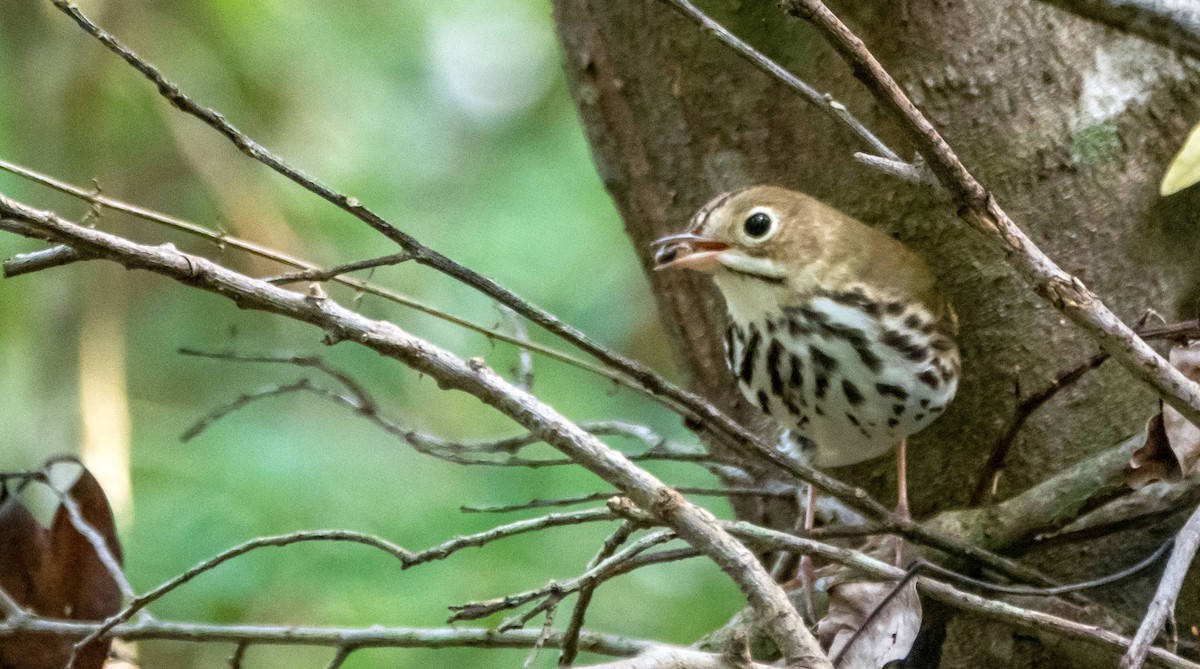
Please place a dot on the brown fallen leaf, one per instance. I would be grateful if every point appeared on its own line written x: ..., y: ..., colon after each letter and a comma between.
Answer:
x: 1183, y: 436
x: 1172, y: 447
x: 1153, y: 460
x: 55, y: 572
x: 892, y: 630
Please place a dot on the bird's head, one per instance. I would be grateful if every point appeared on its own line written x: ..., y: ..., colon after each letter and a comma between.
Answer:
x: 762, y: 233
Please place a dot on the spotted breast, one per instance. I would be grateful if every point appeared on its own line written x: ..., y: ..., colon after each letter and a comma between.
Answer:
x: 849, y: 374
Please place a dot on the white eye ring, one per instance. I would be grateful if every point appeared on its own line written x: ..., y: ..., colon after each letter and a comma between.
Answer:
x: 759, y: 225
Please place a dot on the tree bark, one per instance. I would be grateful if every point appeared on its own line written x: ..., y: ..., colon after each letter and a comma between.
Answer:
x: 1069, y: 123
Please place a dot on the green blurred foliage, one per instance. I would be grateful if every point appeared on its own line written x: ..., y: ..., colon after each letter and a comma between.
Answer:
x: 451, y: 119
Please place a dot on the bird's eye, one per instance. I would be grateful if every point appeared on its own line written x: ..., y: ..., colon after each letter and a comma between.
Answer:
x: 757, y: 225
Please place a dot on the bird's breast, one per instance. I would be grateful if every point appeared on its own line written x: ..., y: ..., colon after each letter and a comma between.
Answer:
x: 848, y: 373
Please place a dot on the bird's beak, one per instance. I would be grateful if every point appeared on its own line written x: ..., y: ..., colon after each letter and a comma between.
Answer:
x: 688, y: 251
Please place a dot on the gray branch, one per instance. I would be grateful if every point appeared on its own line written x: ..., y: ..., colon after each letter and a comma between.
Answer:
x: 369, y: 637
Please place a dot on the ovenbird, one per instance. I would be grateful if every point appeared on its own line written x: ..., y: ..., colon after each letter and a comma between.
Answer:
x: 836, y: 330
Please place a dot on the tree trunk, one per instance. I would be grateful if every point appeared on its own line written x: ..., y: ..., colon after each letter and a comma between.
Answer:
x: 1070, y: 124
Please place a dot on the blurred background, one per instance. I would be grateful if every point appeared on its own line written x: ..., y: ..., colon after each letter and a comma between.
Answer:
x: 448, y: 117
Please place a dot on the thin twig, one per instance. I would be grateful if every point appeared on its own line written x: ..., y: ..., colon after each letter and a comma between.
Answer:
x: 99, y: 544
x: 1187, y: 540
x: 239, y: 655
x: 600, y: 496
x: 340, y: 656
x: 614, y: 541
x: 375, y: 636
x: 985, y: 485
x: 335, y: 272
x: 827, y: 105
x: 9, y: 606
x: 999, y: 588
x: 142, y: 601
x: 614, y: 565
x: 408, y: 559
x: 547, y: 630
x: 362, y: 403
x: 1182, y: 331
x: 1141, y: 508
x: 240, y: 402
x: 28, y: 263
x: 658, y: 447
x: 447, y: 548
x: 914, y: 172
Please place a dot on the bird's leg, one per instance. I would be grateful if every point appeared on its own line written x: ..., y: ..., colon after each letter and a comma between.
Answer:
x: 901, y: 513
x: 807, y: 573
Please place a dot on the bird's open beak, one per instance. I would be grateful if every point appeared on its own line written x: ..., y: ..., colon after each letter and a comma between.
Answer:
x: 688, y: 251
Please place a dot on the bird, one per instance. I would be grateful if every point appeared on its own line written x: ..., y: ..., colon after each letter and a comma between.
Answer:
x: 836, y: 330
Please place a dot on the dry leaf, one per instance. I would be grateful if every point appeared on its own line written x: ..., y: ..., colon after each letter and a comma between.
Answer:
x: 1185, y: 167
x: 1153, y: 460
x: 1183, y: 437
x: 55, y: 572
x: 888, y: 637
x: 1172, y: 447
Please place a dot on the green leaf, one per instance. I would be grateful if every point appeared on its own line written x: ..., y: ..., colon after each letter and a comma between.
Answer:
x: 1185, y: 168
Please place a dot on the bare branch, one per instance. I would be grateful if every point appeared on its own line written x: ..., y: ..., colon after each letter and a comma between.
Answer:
x: 408, y: 559
x: 547, y: 629
x: 376, y: 636
x: 1175, y: 25
x: 614, y: 565
x: 1187, y: 540
x: 986, y: 484
x: 674, y: 658
x: 445, y: 549
x: 362, y: 403
x: 239, y: 654
x: 571, y: 636
x: 600, y: 496
x: 915, y: 172
x: 142, y: 601
x: 9, y: 606
x: 1153, y: 502
x: 1047, y: 506
x: 340, y: 656
x: 334, y: 272
x: 242, y: 401
x: 28, y: 263
x: 826, y: 104
x: 81, y: 525
x: 925, y: 566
